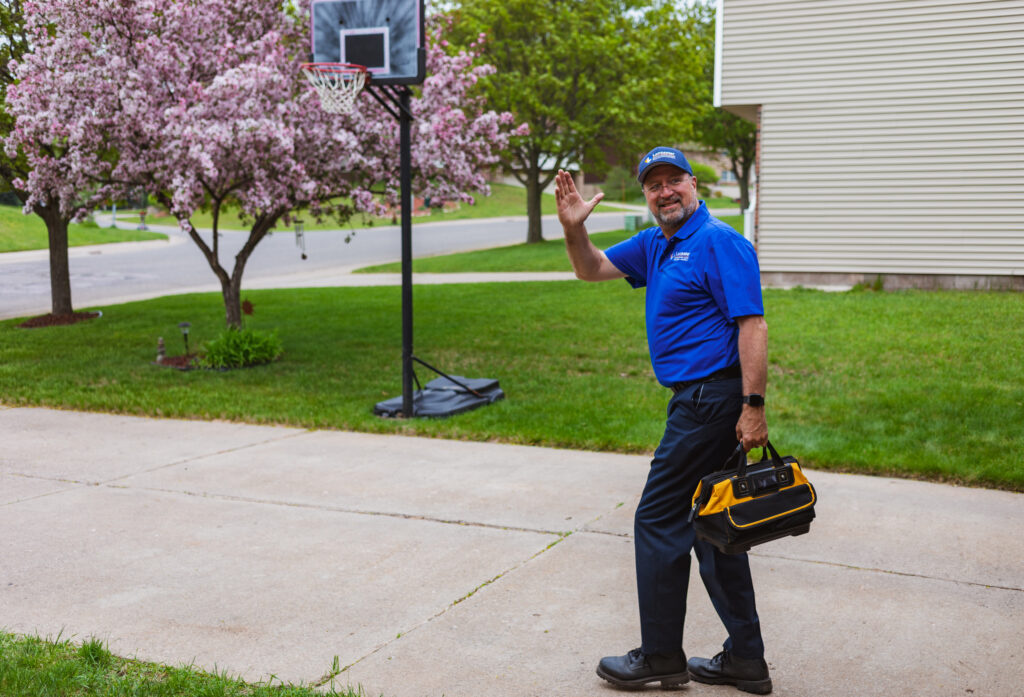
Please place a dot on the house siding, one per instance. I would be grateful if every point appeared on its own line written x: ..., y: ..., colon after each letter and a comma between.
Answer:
x: 892, y: 133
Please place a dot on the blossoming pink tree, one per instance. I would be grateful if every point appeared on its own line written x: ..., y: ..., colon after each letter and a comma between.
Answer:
x: 201, y: 102
x: 14, y: 166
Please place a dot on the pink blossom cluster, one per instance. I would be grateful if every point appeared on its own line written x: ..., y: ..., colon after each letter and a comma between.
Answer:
x: 202, y: 102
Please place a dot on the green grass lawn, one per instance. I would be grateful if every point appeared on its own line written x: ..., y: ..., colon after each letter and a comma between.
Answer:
x: 505, y: 201
x: 721, y: 202
x: 20, y: 232
x: 545, y: 256
x: 916, y: 384
x: 34, y: 667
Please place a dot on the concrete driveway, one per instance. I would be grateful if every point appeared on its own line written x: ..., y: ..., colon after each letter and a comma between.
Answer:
x: 434, y: 567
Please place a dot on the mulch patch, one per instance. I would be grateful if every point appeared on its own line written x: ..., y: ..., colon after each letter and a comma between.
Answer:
x: 52, y: 320
x: 179, y: 362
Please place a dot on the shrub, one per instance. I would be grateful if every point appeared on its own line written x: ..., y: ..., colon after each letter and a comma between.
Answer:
x: 621, y: 185
x: 706, y: 177
x: 238, y: 348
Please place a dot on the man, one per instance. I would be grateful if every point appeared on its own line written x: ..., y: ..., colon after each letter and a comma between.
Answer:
x: 708, y: 344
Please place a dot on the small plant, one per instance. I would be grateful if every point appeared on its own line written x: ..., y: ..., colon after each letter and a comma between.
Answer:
x: 877, y: 286
x: 239, y: 348
x: 94, y: 653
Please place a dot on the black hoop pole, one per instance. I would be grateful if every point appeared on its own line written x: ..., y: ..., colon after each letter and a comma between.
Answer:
x: 405, y: 121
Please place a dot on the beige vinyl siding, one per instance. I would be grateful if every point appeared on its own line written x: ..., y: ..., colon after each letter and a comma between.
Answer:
x: 892, y: 133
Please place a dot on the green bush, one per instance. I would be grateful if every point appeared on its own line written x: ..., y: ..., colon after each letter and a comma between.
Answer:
x: 706, y: 177
x: 239, y: 348
x: 621, y: 185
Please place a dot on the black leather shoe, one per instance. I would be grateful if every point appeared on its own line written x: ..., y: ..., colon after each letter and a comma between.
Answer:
x: 636, y: 669
x: 747, y: 674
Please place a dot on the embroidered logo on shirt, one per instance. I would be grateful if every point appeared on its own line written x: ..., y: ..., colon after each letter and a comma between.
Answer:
x: 680, y: 256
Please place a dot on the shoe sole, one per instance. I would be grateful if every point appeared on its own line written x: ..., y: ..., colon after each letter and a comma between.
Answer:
x: 667, y: 681
x: 757, y: 687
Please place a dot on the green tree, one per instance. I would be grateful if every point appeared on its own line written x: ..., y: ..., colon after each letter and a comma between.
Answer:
x: 727, y: 133
x: 14, y: 44
x: 716, y: 129
x: 589, y: 78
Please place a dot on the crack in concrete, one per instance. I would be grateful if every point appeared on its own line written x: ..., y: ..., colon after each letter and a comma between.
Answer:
x: 341, y: 509
x: 444, y: 521
x: 561, y: 536
x: 60, y: 480
x: 828, y: 563
x: 846, y: 566
x: 447, y: 608
x: 109, y: 482
x: 909, y: 574
x: 204, y: 456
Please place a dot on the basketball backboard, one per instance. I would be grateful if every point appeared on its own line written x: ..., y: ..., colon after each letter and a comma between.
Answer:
x: 387, y: 36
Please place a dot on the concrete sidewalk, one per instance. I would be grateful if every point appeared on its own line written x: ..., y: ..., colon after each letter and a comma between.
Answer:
x: 433, y: 567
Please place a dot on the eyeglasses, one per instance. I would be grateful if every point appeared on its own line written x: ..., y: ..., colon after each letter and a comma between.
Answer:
x: 672, y: 183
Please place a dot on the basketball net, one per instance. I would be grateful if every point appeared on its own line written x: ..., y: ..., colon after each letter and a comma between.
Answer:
x: 338, y: 84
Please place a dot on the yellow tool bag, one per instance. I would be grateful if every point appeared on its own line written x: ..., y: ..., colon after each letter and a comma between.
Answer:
x: 743, y: 504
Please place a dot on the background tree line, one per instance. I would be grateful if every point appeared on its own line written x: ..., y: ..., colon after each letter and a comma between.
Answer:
x: 599, y: 81
x: 592, y: 81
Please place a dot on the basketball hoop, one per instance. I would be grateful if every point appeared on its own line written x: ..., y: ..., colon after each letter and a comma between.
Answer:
x: 338, y: 84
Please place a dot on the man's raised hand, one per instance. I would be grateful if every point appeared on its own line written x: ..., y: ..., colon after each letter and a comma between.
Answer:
x: 572, y: 209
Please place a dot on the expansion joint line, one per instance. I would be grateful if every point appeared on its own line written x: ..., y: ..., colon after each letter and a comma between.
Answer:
x: 335, y: 671
x: 338, y: 509
x: 891, y: 572
x: 205, y: 456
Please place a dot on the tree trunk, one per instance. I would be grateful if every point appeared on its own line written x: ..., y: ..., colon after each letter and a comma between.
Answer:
x: 534, y: 232
x: 744, y: 190
x: 231, y: 288
x: 60, y: 274
x: 232, y: 294
x: 741, y: 168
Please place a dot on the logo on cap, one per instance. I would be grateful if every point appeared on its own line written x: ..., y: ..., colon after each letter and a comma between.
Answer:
x: 663, y: 155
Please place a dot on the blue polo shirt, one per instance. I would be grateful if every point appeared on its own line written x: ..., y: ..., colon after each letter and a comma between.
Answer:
x: 698, y: 283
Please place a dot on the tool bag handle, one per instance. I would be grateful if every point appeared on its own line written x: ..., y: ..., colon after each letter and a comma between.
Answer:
x: 775, y: 458
x: 739, y: 456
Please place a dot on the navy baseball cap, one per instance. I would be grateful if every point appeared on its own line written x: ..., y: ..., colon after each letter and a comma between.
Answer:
x: 662, y: 155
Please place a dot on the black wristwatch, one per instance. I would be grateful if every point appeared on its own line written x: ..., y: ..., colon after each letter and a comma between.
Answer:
x: 754, y: 400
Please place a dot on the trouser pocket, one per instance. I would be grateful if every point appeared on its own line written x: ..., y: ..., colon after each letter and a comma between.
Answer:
x: 716, y: 400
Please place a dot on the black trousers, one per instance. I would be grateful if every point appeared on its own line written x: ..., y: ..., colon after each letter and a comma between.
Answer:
x: 700, y: 433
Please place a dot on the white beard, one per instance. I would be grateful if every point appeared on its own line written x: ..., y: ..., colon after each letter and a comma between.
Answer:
x: 676, y: 218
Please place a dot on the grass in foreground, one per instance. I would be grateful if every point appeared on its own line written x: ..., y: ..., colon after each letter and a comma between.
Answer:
x: 20, y: 232
x: 33, y: 667
x: 916, y: 384
x: 545, y: 256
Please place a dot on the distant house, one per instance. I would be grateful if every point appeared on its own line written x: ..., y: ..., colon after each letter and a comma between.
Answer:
x: 891, y: 137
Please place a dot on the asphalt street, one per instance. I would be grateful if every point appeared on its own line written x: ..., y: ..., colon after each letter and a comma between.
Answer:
x: 115, y: 273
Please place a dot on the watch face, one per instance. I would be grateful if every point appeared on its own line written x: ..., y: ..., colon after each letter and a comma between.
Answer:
x: 754, y: 400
